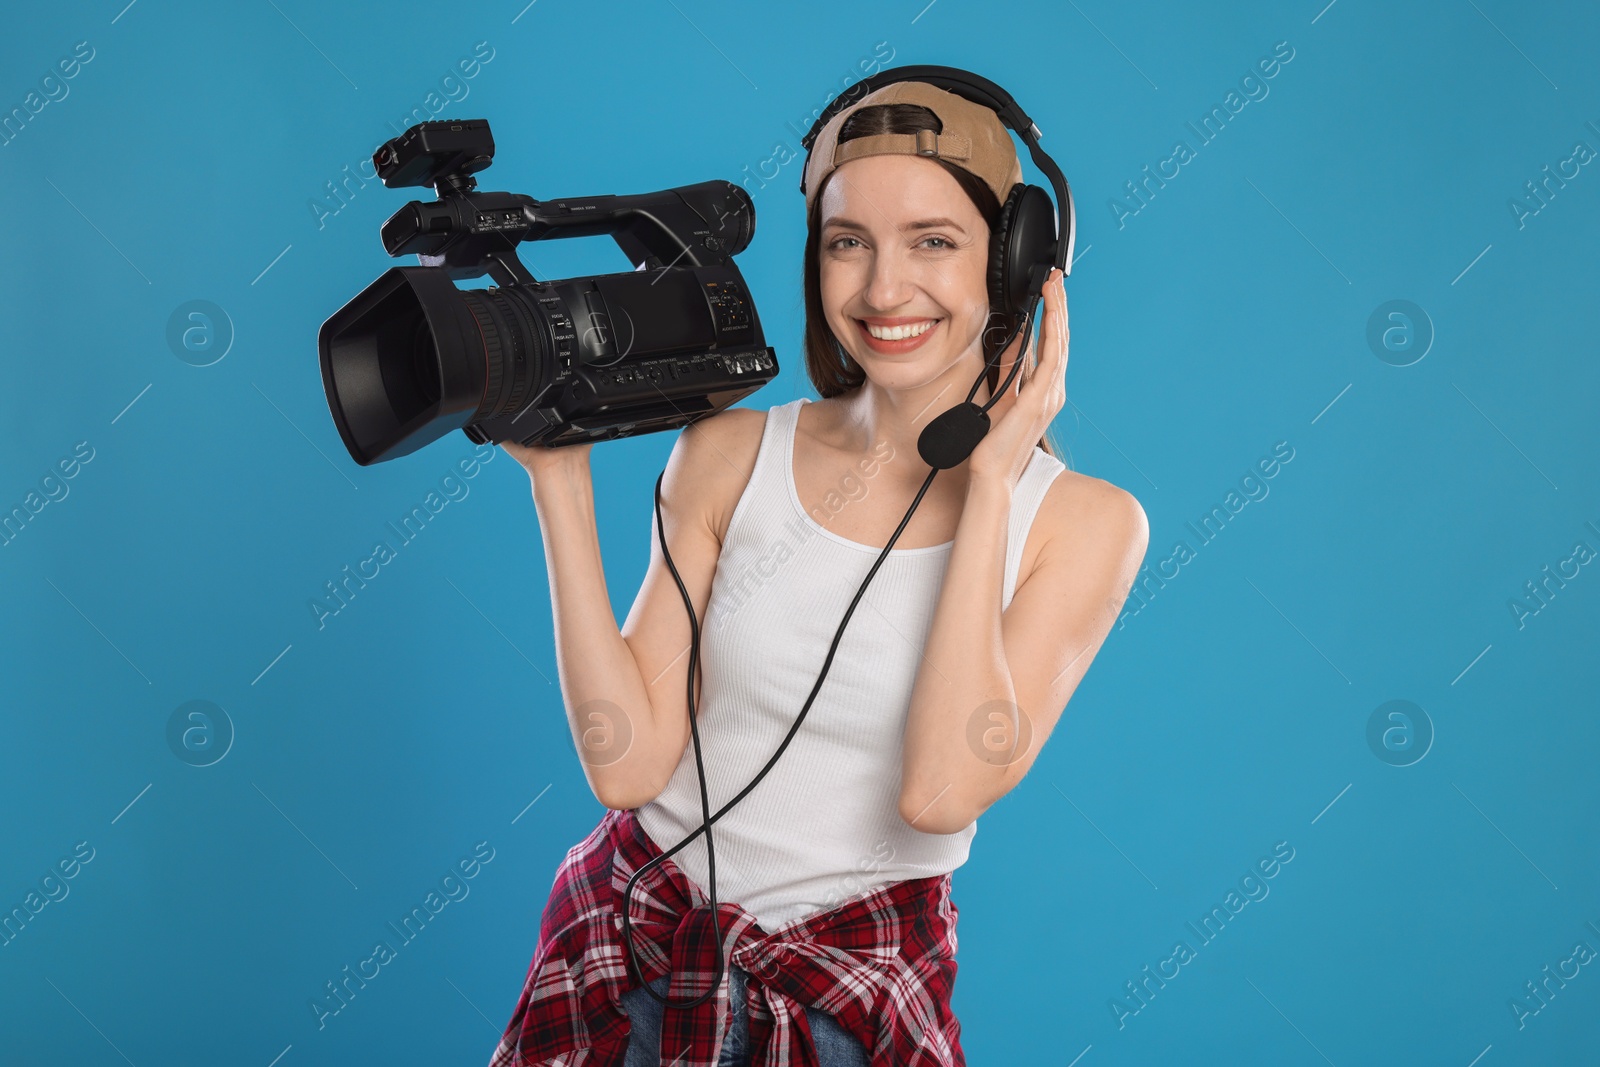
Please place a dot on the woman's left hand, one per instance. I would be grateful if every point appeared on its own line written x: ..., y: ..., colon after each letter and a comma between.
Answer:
x: 1019, y: 418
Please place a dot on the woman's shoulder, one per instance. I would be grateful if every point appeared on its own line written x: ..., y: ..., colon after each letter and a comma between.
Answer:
x: 733, y: 434
x: 1084, y: 503
x: 723, y: 447
x: 1081, y: 516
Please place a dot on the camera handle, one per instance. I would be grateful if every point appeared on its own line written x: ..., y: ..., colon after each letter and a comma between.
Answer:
x: 472, y: 233
x: 504, y: 267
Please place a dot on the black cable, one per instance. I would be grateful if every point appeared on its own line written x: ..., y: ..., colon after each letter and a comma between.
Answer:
x: 1024, y: 322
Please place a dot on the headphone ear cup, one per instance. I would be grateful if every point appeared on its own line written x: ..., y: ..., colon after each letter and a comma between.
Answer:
x: 1000, y: 255
x: 1023, y: 244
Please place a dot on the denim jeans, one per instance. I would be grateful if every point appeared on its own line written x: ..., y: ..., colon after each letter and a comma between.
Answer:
x: 836, y: 1046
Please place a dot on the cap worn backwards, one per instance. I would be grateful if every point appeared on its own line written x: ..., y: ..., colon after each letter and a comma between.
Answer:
x: 972, y: 137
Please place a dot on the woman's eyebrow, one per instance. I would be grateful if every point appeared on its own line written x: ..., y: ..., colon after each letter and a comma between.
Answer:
x: 930, y: 224
x: 921, y: 224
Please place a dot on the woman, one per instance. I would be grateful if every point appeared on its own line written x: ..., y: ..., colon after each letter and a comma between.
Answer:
x: 947, y: 681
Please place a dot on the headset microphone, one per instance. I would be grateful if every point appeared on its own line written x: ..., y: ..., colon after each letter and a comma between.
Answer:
x: 1028, y: 240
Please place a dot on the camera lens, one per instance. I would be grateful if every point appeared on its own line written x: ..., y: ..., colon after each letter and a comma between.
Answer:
x: 425, y: 362
x: 412, y: 358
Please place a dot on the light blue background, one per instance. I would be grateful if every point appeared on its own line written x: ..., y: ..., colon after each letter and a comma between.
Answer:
x: 1229, y: 714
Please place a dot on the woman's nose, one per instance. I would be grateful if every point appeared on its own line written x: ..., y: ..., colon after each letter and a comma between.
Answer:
x: 890, y: 284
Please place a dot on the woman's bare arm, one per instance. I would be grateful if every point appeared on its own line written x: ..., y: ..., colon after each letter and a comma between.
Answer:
x: 625, y: 688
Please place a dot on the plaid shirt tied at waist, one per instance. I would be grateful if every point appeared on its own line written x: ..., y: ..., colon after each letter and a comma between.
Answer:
x: 882, y: 964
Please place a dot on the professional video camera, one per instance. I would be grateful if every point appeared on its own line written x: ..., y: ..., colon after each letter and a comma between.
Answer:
x: 553, y: 363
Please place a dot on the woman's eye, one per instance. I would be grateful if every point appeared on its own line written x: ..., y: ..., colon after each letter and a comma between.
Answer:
x: 943, y: 244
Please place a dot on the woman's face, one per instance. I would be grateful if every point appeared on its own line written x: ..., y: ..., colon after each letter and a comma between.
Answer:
x: 902, y: 244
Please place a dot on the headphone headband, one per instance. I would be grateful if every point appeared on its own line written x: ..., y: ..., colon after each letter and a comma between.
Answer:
x: 979, y: 90
x: 964, y: 83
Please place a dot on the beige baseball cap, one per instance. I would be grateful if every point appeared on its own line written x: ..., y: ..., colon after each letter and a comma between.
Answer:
x: 973, y: 139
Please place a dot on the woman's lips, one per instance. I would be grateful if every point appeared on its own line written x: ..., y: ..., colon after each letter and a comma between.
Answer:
x: 893, y: 348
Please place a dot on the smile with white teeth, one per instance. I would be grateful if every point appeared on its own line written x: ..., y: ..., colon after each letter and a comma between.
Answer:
x: 900, y: 333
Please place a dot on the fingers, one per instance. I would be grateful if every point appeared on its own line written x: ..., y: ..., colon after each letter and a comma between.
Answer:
x: 1053, y: 342
x: 1014, y: 353
x: 1056, y: 300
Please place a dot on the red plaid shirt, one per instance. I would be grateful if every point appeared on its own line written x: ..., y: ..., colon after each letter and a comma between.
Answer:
x: 882, y: 964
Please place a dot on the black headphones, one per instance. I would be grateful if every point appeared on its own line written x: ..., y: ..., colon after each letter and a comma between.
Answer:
x: 1023, y: 247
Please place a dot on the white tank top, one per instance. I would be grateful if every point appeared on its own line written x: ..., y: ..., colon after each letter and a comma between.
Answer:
x: 824, y: 824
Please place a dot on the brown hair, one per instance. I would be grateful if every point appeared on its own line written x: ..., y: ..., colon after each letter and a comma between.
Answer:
x: 824, y: 355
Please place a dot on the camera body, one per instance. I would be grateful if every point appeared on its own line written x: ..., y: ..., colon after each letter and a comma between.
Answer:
x: 552, y: 363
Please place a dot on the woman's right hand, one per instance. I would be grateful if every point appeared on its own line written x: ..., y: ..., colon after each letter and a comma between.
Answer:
x: 537, y: 459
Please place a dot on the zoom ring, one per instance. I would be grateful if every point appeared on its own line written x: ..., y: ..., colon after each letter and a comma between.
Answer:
x: 493, y: 357
x: 520, y: 331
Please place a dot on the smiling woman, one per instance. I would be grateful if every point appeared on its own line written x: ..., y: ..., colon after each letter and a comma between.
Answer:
x: 847, y: 787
